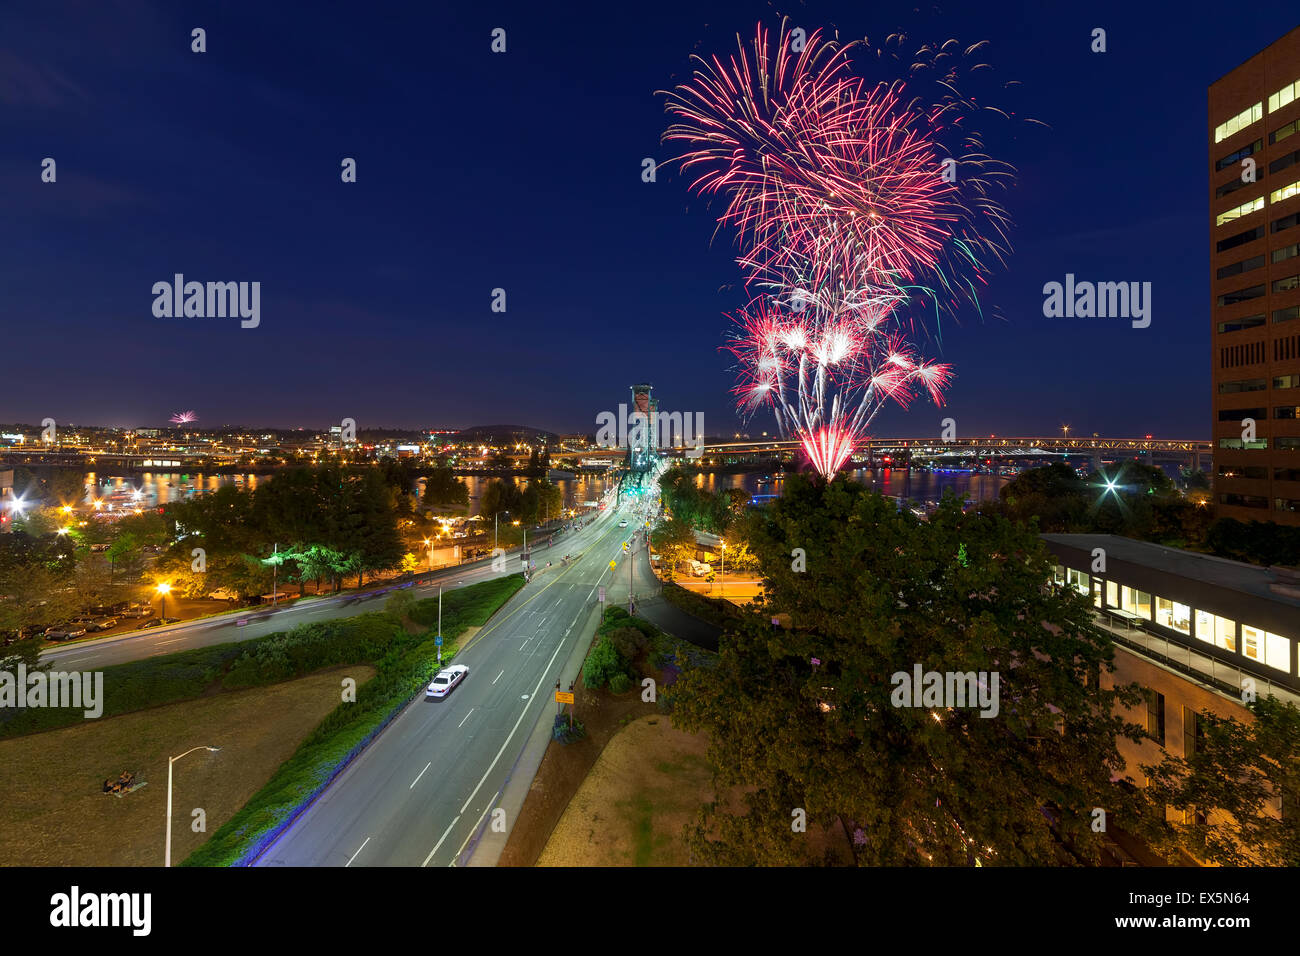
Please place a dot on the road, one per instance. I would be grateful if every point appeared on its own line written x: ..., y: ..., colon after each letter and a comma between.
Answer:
x: 416, y: 795
x: 187, y: 635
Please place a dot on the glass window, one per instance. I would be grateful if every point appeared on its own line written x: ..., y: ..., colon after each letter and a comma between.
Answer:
x: 1286, y: 284
x: 1239, y: 155
x: 1219, y: 631
x: 1242, y: 385
x: 1241, y: 295
x: 1286, y: 252
x: 1277, y: 195
x: 1282, y: 132
x: 1135, y: 601
x: 1290, y: 159
x: 1078, y: 580
x: 1112, y: 594
x: 1096, y: 592
x: 1241, y: 238
x: 1267, y: 648
x: 1283, y: 96
x: 1287, y: 444
x: 1286, y: 381
x: 1238, y: 325
x: 1173, y: 615
x: 1236, y: 124
x: 1286, y: 315
x: 1246, y: 208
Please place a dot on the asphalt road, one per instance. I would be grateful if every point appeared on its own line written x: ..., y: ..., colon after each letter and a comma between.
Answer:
x: 417, y: 793
x: 187, y: 635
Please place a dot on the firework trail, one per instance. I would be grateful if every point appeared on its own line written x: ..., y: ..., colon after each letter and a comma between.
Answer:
x: 850, y: 203
x: 183, y: 418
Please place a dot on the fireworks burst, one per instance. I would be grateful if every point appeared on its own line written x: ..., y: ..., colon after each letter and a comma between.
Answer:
x: 183, y: 418
x: 850, y: 202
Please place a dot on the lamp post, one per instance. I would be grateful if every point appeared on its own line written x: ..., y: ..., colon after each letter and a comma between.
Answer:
x: 167, y: 859
x: 429, y: 544
x: 722, y: 576
x: 440, y: 624
x: 495, y: 517
x: 163, y: 590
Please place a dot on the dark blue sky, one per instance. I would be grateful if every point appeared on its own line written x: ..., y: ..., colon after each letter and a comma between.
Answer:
x: 522, y: 171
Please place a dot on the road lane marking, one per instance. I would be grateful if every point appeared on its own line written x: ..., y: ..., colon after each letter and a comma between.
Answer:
x: 497, y: 678
x: 161, y: 643
x: 494, y: 799
x: 463, y: 719
x: 439, y: 843
x: 417, y: 779
x: 354, y: 855
x: 524, y: 644
x: 523, y: 712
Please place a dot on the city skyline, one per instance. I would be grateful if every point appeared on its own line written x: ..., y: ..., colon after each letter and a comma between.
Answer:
x: 384, y: 286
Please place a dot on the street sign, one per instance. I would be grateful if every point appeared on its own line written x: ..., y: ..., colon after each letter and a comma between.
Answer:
x: 563, y: 697
x: 602, y: 594
x: 437, y: 641
x: 613, y: 565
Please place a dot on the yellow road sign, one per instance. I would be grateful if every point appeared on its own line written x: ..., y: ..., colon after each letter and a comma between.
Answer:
x: 563, y: 697
x: 613, y: 565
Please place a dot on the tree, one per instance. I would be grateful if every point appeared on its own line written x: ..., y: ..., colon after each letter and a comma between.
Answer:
x: 1228, y: 790
x: 877, y: 594
x: 674, y: 540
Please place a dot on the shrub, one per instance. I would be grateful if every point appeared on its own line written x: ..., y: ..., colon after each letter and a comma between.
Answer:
x: 630, y: 643
x: 565, y: 734
x: 602, y: 664
x: 619, y: 684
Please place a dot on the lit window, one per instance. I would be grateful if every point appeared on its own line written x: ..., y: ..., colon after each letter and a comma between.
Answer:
x: 1266, y: 648
x: 1246, y: 208
x: 1219, y: 631
x: 1239, y: 122
x: 1283, y: 96
x: 1173, y: 615
x: 1286, y: 192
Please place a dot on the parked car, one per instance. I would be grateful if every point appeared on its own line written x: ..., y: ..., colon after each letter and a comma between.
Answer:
x: 700, y: 569
x: 138, y: 610
x: 446, y: 681
x: 98, y: 548
x: 223, y: 594
x: 102, y: 623
x: 63, y: 632
x: 160, y: 621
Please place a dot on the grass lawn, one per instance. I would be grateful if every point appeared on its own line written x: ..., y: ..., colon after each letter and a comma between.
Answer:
x: 57, y: 815
x: 648, y: 783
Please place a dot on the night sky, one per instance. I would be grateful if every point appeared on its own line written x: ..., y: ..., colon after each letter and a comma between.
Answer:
x: 522, y: 171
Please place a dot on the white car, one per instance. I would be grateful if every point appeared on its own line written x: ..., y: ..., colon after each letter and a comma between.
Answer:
x: 623, y: 523
x: 447, y: 679
x: 223, y: 594
x: 700, y: 569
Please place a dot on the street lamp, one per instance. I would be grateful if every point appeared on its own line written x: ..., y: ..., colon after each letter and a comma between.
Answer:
x: 163, y: 590
x: 722, y: 576
x: 495, y: 517
x: 167, y: 860
x: 429, y: 544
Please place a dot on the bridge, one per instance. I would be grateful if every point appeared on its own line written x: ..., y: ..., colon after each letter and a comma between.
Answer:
x: 1192, y: 451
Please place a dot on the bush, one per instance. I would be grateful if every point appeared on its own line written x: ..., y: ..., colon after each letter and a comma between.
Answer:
x: 630, y: 643
x: 619, y: 684
x: 565, y: 734
x: 602, y: 664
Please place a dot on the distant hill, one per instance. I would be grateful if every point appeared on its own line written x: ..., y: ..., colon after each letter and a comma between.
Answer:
x: 497, y: 434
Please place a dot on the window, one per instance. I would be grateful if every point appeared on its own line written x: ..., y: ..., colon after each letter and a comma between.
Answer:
x: 1135, y: 601
x: 1289, y: 505
x: 1286, y: 222
x: 1079, y: 581
x: 1287, y: 284
x: 1282, y: 132
x: 1245, y: 265
x: 1233, y: 184
x: 1241, y: 295
x: 1290, y: 159
x: 1277, y: 195
x: 1286, y: 474
x: 1242, y: 385
x: 1219, y: 631
x: 1246, y: 208
x: 1287, y: 444
x: 1238, y: 414
x: 1286, y: 315
x: 1286, y: 252
x: 1058, y: 574
x: 1241, y: 238
x: 1112, y: 594
x: 1175, y: 616
x: 1258, y: 444
x: 1193, y: 735
x: 1243, y: 471
x: 1239, y: 155
x: 1243, y: 501
x: 1237, y: 325
x: 1156, y: 716
x: 1287, y: 412
x: 1273, y: 650
x: 1283, y: 96
x: 1251, y: 114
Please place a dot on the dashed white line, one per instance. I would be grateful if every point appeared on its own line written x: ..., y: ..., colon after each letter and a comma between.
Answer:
x: 494, y: 799
x: 417, y: 779
x: 354, y: 855
x: 161, y: 643
x: 465, y: 718
x: 439, y: 843
x: 497, y: 678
